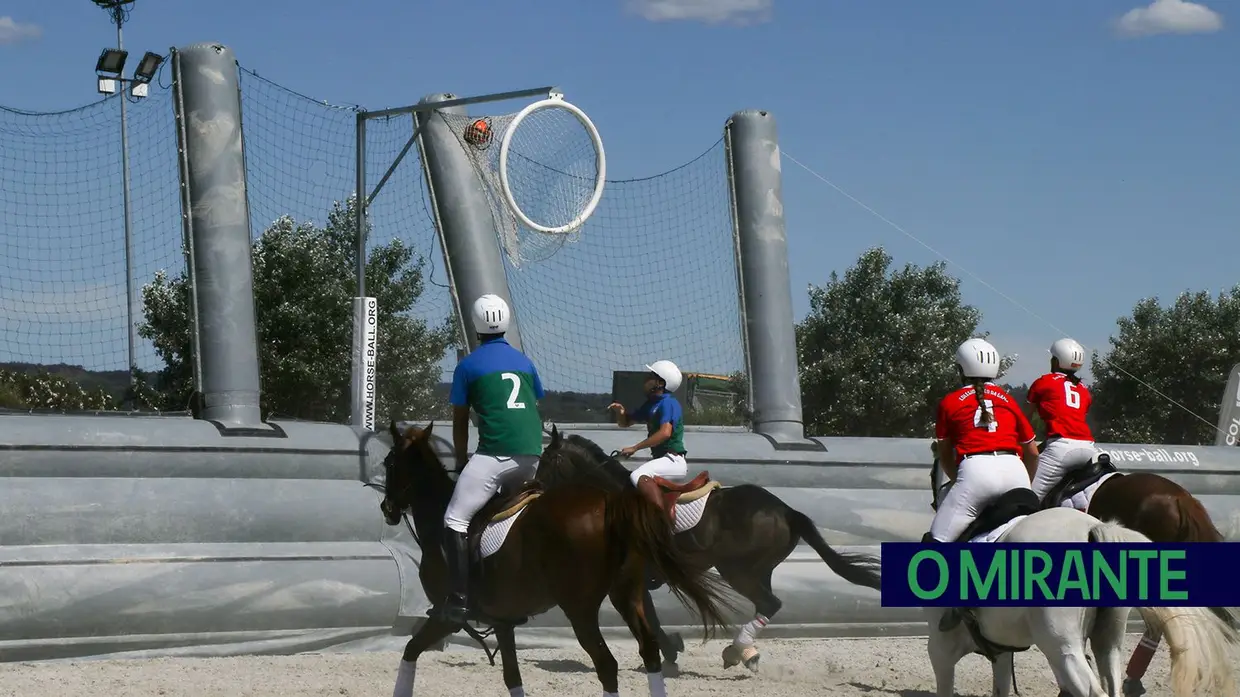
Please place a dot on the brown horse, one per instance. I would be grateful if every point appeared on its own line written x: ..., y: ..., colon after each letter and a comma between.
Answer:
x: 1146, y: 502
x: 569, y: 546
x: 742, y: 531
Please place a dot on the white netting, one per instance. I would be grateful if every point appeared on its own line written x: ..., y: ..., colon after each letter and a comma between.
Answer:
x: 553, y: 169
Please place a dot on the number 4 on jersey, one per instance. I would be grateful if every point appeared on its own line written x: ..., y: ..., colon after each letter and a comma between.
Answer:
x: 516, y: 389
x: 994, y: 419
x: 1071, y: 396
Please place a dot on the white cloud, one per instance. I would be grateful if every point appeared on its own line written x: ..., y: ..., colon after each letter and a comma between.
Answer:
x: 1169, y: 17
x: 12, y: 31
x: 708, y: 11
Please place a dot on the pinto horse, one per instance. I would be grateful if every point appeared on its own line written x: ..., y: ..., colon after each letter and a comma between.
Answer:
x: 742, y: 531
x: 1146, y: 502
x: 537, y: 547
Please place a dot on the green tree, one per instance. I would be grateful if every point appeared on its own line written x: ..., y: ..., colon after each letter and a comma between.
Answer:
x: 304, y: 282
x: 876, y: 348
x: 43, y: 390
x: 1184, y: 351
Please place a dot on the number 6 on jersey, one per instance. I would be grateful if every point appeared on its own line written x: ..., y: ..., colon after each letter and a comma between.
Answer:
x: 1071, y: 396
x: 994, y: 418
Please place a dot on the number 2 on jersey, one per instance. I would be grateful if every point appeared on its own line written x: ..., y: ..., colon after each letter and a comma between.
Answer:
x: 516, y: 389
x: 1070, y: 395
x: 994, y: 418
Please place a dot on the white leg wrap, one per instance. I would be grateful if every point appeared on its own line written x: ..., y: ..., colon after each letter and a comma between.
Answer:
x: 404, y: 679
x: 611, y: 694
x: 657, y: 687
x: 516, y: 692
x: 748, y: 634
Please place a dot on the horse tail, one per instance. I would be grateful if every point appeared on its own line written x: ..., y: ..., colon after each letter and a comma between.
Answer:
x: 1200, y: 643
x: 1198, y: 637
x: 858, y: 569
x: 643, y: 531
x: 1195, y: 522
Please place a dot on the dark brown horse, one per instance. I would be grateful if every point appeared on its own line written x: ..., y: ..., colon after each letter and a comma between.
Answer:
x: 569, y: 546
x: 743, y: 531
x: 1146, y: 502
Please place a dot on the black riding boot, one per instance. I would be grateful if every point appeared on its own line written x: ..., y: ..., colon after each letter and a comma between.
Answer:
x: 952, y: 618
x: 455, y: 608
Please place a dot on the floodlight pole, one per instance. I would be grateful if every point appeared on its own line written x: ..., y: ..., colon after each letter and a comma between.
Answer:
x: 129, y: 298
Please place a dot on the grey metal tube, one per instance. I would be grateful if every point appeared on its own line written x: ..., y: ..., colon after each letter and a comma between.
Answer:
x: 208, y: 109
x: 465, y: 220
x: 762, y: 254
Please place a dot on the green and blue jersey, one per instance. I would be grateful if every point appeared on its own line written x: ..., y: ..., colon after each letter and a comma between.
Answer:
x: 658, y: 411
x: 502, y: 386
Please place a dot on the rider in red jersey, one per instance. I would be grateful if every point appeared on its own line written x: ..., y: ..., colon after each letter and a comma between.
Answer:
x: 1062, y: 402
x: 985, y: 441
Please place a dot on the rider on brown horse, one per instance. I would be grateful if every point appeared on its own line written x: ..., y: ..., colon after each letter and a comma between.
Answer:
x: 665, y: 431
x: 501, y: 385
x: 1062, y: 402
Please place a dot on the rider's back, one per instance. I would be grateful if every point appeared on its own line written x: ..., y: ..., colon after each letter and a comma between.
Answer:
x: 1062, y: 405
x: 961, y: 418
x: 503, y: 388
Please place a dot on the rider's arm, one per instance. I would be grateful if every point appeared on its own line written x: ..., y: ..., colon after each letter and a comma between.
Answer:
x: 947, y: 457
x: 624, y: 419
x: 669, y: 414
x: 664, y: 432
x: 459, y: 398
x: 1026, y: 437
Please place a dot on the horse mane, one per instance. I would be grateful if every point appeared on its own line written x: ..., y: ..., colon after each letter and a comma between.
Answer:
x: 579, y: 460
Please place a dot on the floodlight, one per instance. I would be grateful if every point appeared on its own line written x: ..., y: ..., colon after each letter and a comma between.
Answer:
x: 107, y: 85
x: 145, y: 71
x: 140, y: 89
x: 111, y: 61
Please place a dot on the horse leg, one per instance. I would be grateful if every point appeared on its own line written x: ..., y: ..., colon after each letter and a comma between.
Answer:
x: 945, y: 649
x: 507, y: 640
x: 1057, y: 632
x: 628, y: 602
x: 427, y: 636
x: 1140, y: 662
x: 1107, y: 639
x: 671, y: 645
x: 585, y: 626
x: 755, y: 585
x: 1002, y: 670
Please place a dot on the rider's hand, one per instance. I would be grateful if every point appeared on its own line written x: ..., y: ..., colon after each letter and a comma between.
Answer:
x: 616, y: 407
x: 627, y: 451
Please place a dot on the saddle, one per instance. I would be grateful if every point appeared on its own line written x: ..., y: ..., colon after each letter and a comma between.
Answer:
x: 508, y: 500
x: 1078, y: 479
x: 672, y: 493
x: 1009, y: 505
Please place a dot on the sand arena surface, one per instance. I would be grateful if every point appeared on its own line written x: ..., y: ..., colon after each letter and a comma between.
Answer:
x: 789, y: 668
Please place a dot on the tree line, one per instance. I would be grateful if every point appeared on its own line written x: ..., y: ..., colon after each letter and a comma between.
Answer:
x: 874, y: 350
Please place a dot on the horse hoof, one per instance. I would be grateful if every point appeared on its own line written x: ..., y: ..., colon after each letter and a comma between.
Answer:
x: 1133, y: 687
x: 752, y: 662
x: 731, y: 656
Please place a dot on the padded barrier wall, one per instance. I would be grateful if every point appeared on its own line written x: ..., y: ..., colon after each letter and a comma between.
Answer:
x: 160, y: 535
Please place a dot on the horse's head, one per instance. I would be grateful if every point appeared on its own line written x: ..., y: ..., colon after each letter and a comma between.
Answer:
x: 412, y: 472
x: 578, y: 459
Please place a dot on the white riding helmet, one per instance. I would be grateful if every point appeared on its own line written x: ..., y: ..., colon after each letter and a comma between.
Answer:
x: 668, y: 371
x: 491, y: 314
x: 1071, y: 355
x: 978, y: 359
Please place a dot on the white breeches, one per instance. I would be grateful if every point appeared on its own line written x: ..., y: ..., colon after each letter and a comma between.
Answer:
x: 1059, y: 456
x: 670, y: 466
x: 478, y: 482
x: 980, y: 479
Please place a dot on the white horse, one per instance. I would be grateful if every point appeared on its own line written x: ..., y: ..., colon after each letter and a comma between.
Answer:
x: 1199, y: 640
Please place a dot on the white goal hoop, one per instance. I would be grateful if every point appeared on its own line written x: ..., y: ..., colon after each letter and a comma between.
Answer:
x: 554, y: 101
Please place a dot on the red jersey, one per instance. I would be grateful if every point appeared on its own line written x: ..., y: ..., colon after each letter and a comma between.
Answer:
x: 1062, y: 406
x: 960, y: 420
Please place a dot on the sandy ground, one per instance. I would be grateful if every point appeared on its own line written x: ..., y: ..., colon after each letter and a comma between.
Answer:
x: 792, y: 667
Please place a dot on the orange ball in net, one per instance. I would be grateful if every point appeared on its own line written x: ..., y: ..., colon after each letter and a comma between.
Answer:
x: 478, y: 133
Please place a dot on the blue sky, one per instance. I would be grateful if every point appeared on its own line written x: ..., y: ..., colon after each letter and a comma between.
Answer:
x: 1075, y: 156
